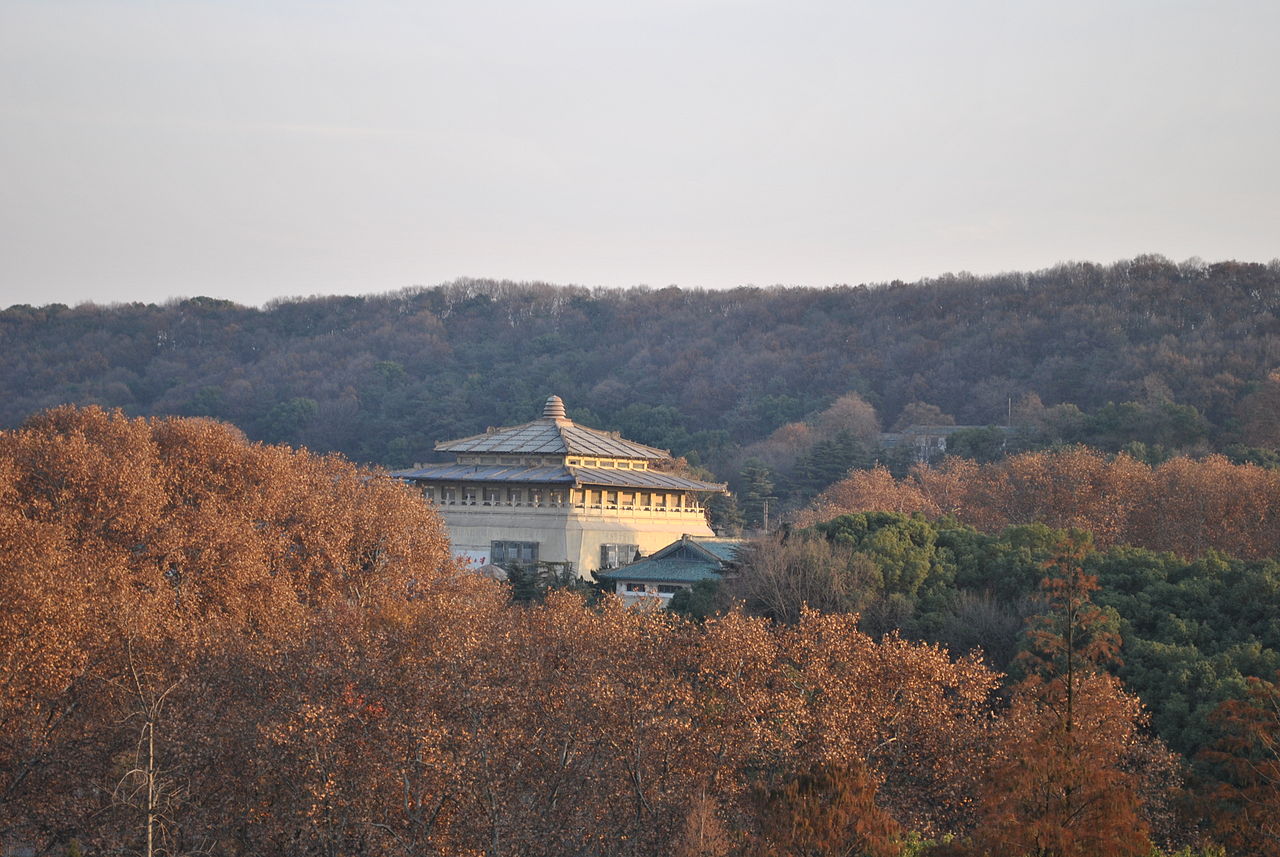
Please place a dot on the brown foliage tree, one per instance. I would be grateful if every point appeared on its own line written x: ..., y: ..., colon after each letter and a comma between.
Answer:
x: 145, y: 552
x: 824, y: 812
x: 1062, y: 781
x: 231, y: 649
x: 1186, y: 506
x: 1244, y: 802
x: 1259, y: 414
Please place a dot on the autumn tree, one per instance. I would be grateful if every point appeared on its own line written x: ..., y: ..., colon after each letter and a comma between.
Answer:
x: 778, y: 577
x: 1183, y: 505
x: 1062, y: 782
x: 163, y: 566
x: 825, y: 811
x: 1243, y: 803
x: 1259, y: 413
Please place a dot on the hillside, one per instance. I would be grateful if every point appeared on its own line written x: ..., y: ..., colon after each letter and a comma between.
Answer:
x: 380, y: 379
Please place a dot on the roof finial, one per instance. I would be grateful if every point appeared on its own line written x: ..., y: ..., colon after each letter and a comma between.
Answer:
x: 554, y: 409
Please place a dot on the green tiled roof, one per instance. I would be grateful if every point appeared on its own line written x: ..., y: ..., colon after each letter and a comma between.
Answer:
x: 685, y: 561
x: 662, y: 571
x: 727, y: 550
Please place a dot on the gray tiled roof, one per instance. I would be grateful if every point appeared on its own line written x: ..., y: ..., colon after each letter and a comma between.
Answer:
x: 640, y: 479
x: 553, y: 434
x: 610, y: 478
x: 453, y: 472
x: 552, y: 437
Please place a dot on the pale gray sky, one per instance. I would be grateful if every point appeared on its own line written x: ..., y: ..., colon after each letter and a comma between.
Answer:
x: 248, y: 150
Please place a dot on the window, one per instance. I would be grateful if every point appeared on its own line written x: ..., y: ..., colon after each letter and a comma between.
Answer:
x: 555, y: 497
x: 491, y: 496
x: 525, y: 553
x: 613, y: 556
x: 668, y: 588
x: 468, y: 495
x: 449, y: 495
x: 635, y: 587
x: 428, y: 492
x: 535, y: 496
x: 513, y: 496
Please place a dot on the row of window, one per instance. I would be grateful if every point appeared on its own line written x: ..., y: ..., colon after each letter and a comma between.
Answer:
x: 613, y: 556
x: 526, y: 461
x: 525, y: 553
x: 663, y: 588
x: 605, y: 462
x: 508, y: 460
x: 472, y: 495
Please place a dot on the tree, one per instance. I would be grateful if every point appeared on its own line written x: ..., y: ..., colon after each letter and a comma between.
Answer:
x: 1244, y: 802
x: 757, y: 493
x: 778, y: 577
x: 704, y: 599
x: 825, y: 811
x: 704, y: 834
x: 1061, y: 783
x: 1259, y: 414
x: 724, y: 516
x: 165, y: 567
x: 922, y: 414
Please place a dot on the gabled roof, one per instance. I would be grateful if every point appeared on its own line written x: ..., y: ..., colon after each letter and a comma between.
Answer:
x: 661, y: 571
x: 553, y: 434
x: 718, y: 551
x: 685, y: 561
x: 727, y: 550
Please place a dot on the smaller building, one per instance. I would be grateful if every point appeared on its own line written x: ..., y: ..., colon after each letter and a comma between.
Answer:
x: 677, y: 566
x: 930, y: 443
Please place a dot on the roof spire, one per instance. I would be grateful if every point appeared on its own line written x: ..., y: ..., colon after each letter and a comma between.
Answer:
x: 554, y: 409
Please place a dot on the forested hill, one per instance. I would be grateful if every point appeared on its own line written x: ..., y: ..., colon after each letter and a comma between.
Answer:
x: 380, y: 379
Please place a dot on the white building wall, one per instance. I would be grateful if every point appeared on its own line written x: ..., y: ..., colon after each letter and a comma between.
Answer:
x: 568, y: 533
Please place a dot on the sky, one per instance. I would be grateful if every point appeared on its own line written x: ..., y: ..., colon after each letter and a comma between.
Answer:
x: 156, y: 149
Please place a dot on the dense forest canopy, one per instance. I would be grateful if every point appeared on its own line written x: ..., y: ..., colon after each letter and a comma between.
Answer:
x: 381, y: 379
x: 1185, y: 506
x: 217, y: 647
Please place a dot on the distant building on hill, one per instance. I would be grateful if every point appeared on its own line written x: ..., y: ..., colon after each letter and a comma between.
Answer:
x: 554, y: 492
x: 929, y: 443
x: 677, y: 566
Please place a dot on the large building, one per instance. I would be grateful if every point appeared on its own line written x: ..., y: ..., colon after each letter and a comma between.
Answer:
x: 552, y: 491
